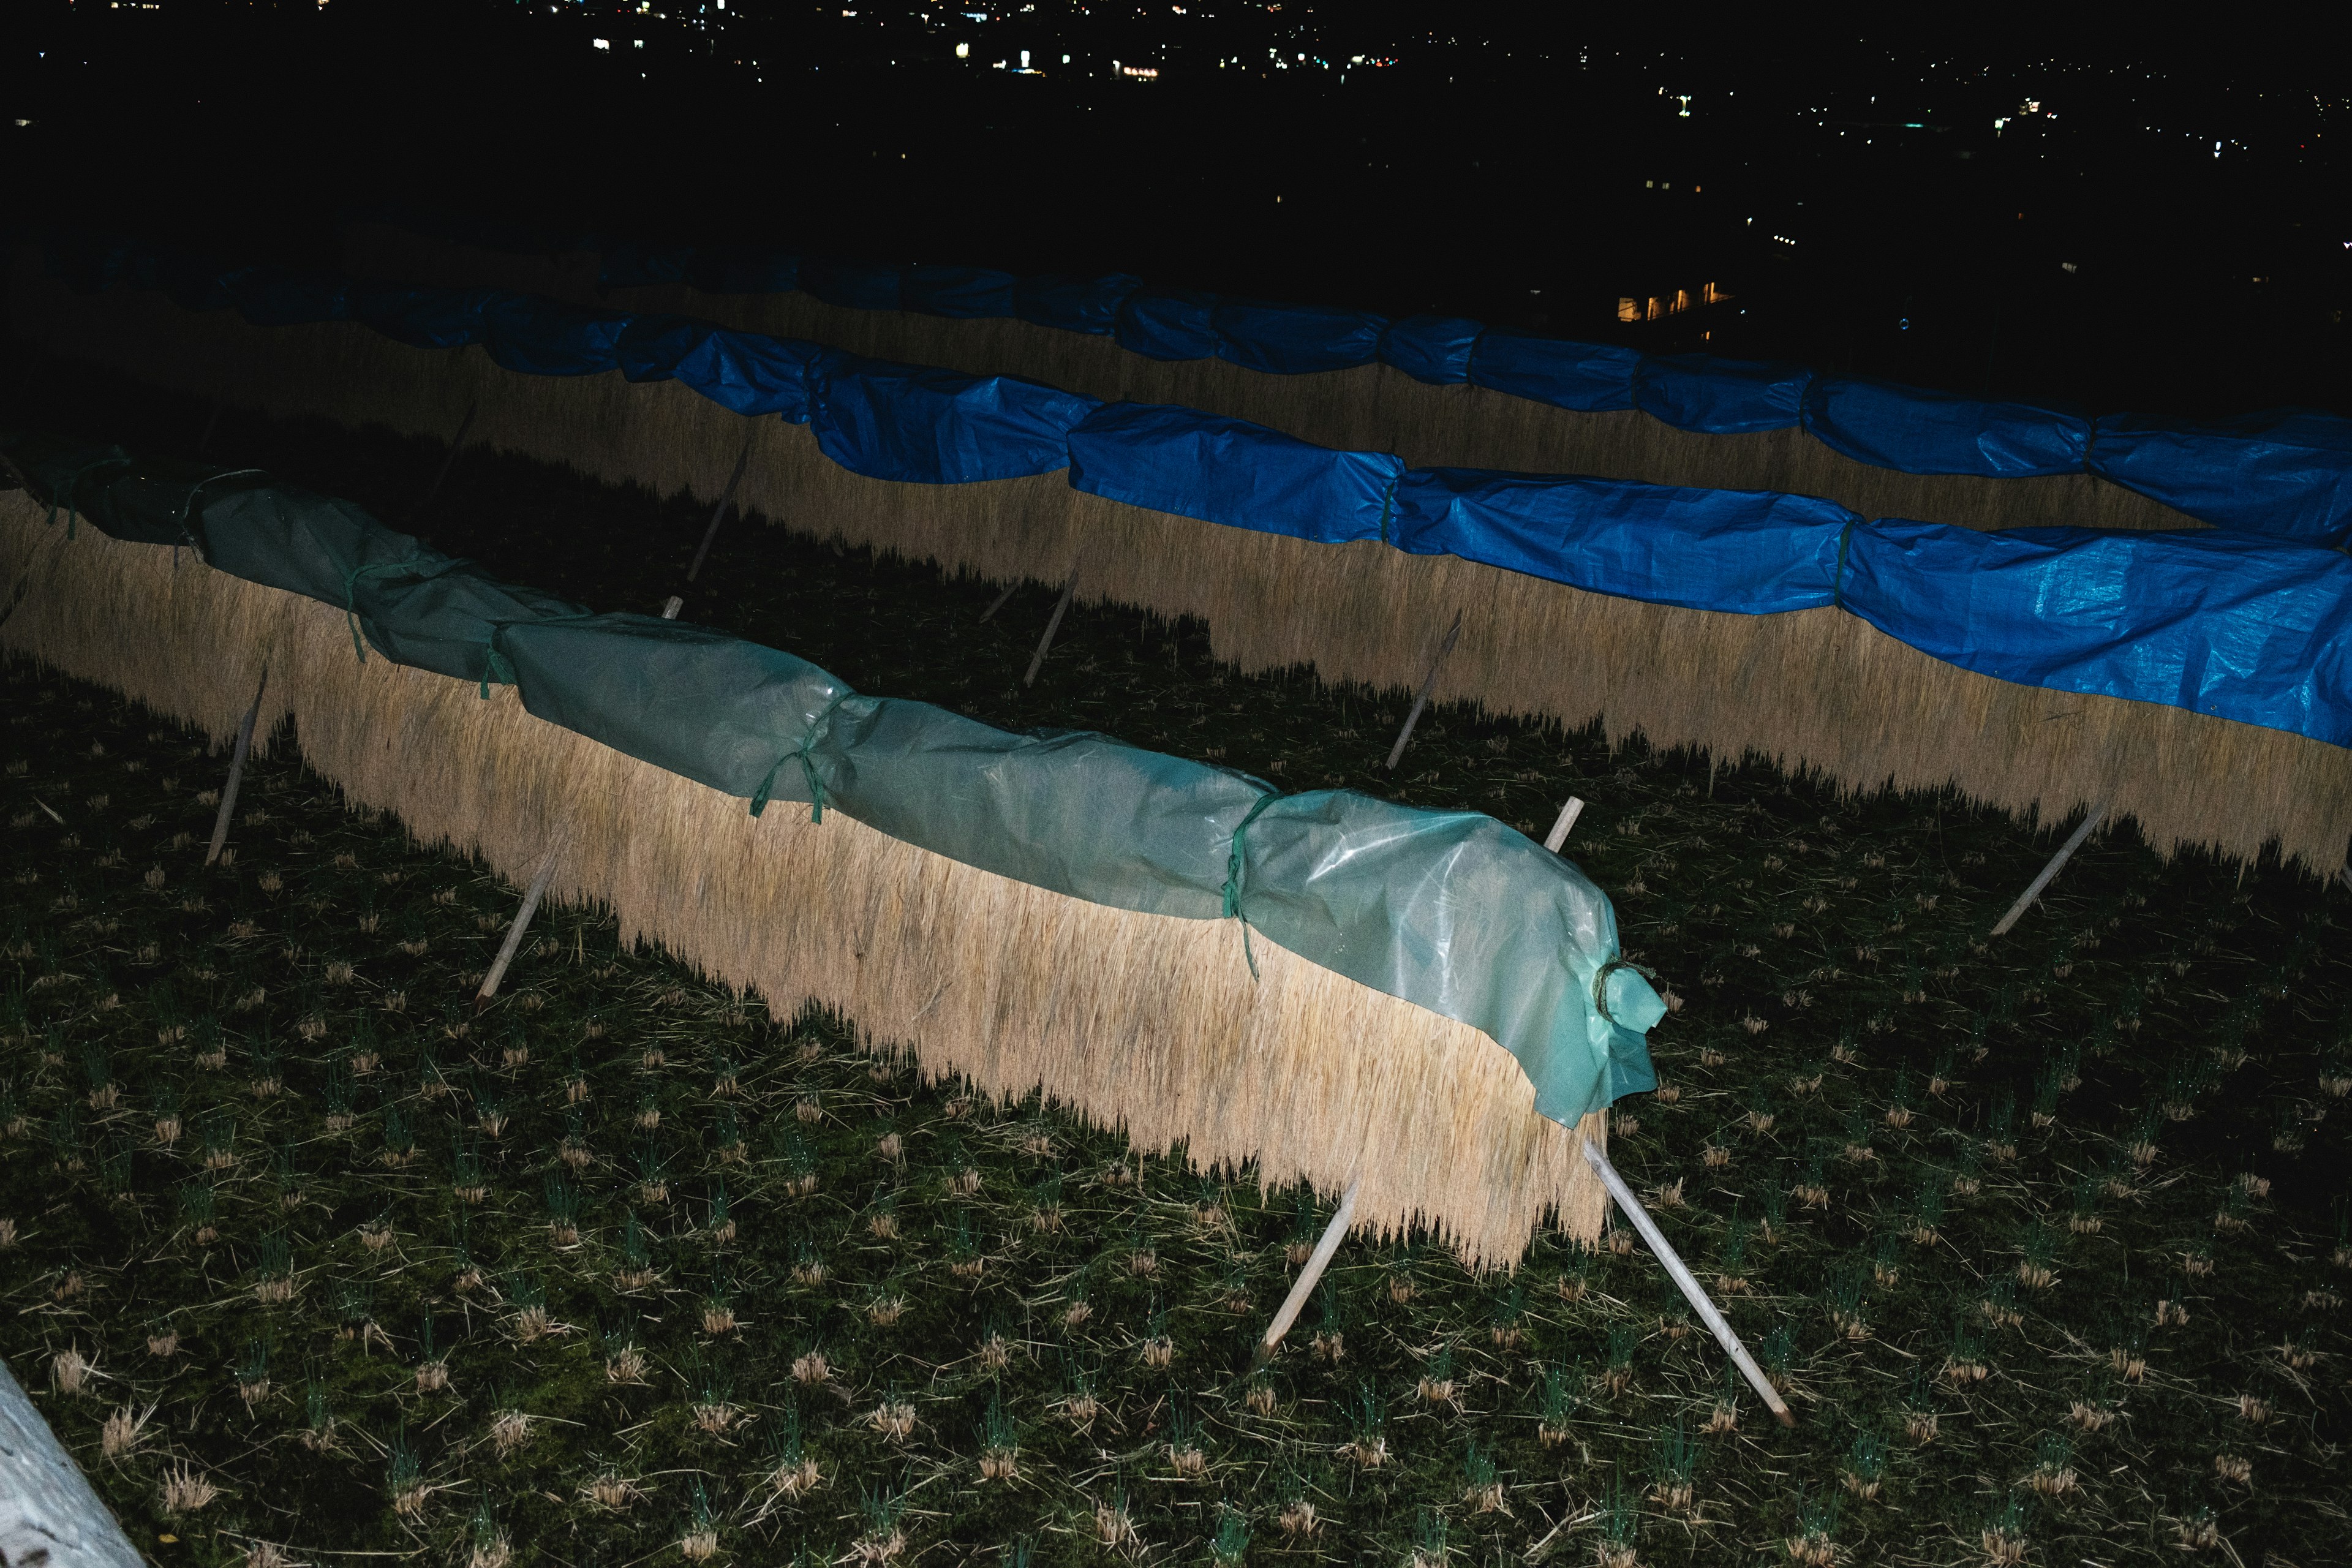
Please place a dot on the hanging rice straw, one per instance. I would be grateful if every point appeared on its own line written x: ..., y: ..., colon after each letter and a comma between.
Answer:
x: 530, y: 897
x: 2057, y: 863
x: 1681, y: 1273
x: 1303, y: 1287
x: 1404, y: 736
x: 236, y: 770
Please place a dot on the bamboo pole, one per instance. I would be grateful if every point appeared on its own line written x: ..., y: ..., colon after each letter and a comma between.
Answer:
x: 719, y: 513
x: 1404, y: 736
x: 671, y: 607
x: 530, y: 897
x: 236, y: 770
x: 1045, y: 643
x: 443, y: 472
x: 2057, y: 863
x: 1304, y: 1285
x: 212, y: 423
x: 1561, y: 826
x: 998, y: 602
x: 1681, y: 1277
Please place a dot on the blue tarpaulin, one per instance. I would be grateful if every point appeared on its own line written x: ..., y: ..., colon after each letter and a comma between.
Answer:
x: 1921, y: 431
x: 1434, y: 349
x: 1287, y: 341
x: 1720, y: 396
x: 2259, y: 630
x: 2287, y: 471
x: 1749, y: 551
x: 966, y: 292
x: 1073, y: 304
x: 1168, y: 323
x: 540, y: 337
x: 422, y: 318
x: 2234, y: 624
x: 1230, y: 471
x: 939, y: 426
x: 738, y: 371
x: 1588, y: 378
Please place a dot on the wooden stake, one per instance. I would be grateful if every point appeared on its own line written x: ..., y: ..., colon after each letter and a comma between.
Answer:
x: 720, y: 511
x: 998, y: 602
x: 530, y: 897
x: 1404, y: 736
x: 1303, y: 1287
x: 443, y: 472
x: 671, y: 607
x: 1566, y: 820
x: 2057, y: 863
x: 1061, y: 608
x: 237, y: 771
x: 1681, y: 1277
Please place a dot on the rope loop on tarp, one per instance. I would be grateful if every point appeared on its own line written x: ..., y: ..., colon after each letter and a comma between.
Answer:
x: 1600, y: 983
x: 808, y: 763
x: 188, y: 506
x: 1237, y: 868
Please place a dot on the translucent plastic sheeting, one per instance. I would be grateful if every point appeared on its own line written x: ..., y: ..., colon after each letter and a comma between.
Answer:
x: 1449, y: 910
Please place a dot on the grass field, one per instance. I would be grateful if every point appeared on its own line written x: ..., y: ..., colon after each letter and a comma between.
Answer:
x: 2044, y: 1238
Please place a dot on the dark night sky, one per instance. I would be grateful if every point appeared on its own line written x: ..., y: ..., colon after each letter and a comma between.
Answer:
x: 1525, y: 166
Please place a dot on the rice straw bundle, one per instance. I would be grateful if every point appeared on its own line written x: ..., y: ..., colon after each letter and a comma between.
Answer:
x: 1814, y: 688
x: 1148, y: 1024
x: 1373, y: 407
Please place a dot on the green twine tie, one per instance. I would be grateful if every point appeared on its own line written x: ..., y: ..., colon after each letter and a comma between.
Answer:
x: 188, y: 506
x: 73, y: 479
x: 1236, y: 865
x: 496, y: 666
x: 1837, y: 584
x: 1600, y: 983
x: 808, y: 763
